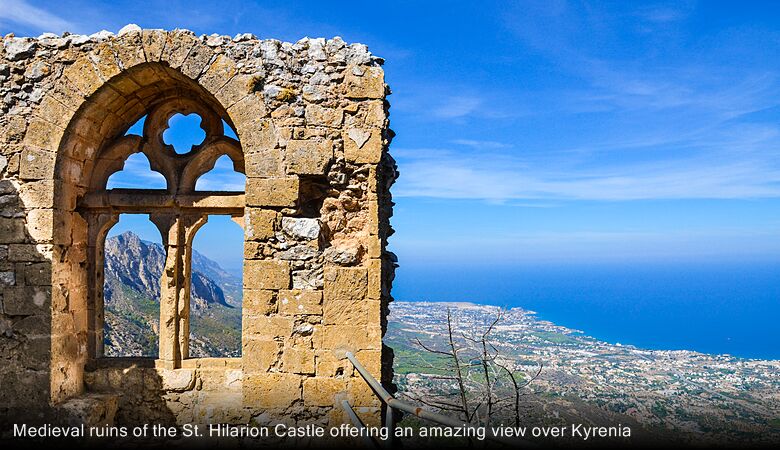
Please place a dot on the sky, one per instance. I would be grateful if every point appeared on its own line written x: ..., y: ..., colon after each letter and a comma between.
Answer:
x: 538, y: 132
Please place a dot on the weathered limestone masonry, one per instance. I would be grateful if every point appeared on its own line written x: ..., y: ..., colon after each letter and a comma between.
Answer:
x: 312, y: 122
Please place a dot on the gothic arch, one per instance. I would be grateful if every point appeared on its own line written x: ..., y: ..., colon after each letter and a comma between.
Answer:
x: 311, y: 122
x: 159, y: 74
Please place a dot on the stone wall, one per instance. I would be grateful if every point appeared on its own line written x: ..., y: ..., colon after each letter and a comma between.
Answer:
x: 311, y: 118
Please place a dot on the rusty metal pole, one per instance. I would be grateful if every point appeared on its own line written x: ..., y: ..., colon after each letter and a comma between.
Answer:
x: 393, y: 402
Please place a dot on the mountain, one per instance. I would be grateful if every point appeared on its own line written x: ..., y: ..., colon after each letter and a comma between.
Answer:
x: 133, y: 269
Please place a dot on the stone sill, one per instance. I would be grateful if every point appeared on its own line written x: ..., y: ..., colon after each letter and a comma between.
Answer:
x: 153, y: 363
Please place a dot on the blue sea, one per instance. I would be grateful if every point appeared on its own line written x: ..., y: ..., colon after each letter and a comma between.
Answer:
x: 731, y: 308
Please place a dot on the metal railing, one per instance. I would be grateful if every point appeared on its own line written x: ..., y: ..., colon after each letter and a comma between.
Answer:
x: 391, y: 403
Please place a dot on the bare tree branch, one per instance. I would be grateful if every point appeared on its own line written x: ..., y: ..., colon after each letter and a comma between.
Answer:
x: 483, y: 379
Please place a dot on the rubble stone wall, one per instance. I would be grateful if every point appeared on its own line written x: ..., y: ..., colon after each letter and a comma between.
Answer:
x: 312, y: 121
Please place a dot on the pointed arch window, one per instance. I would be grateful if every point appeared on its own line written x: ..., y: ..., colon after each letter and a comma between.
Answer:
x: 176, y: 208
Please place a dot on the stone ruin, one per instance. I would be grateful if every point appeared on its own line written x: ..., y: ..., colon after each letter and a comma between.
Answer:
x: 312, y: 126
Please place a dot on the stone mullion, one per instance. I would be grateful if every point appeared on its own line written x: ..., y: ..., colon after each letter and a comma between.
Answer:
x: 98, y: 226
x: 178, y: 231
x: 191, y: 223
x: 169, y: 225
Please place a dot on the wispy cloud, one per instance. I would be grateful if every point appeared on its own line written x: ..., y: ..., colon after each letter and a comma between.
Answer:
x: 591, y: 246
x: 502, y: 177
x: 636, y: 125
x: 21, y: 13
x: 620, y: 66
x: 456, y: 106
x: 451, y: 101
x: 480, y: 144
x: 663, y: 14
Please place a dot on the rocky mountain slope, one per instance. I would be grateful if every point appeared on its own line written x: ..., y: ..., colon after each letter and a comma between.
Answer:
x: 133, y: 268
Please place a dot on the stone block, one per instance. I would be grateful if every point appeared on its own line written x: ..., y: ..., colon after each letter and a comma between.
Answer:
x: 338, y: 417
x: 319, y: 116
x: 363, y: 145
x: 219, y: 72
x: 272, y: 192
x: 236, y: 89
x: 374, y: 279
x: 261, y: 224
x: 361, y: 394
x: 19, y: 48
x: 104, y: 61
x: 36, y: 164
x: 30, y: 387
x: 12, y: 230
x: 271, y: 390
x: 267, y: 328
x: 307, y: 279
x: 7, y: 278
x: 254, y: 249
x: 254, y: 128
x: 177, y: 46
x: 373, y: 217
x: 37, y: 274
x: 266, y: 274
x: 13, y: 129
x: 375, y: 115
x: 308, y: 157
x: 40, y: 225
x: 53, y: 111
x: 125, y: 86
x: 374, y: 247
x: 298, y: 360
x: 372, y: 361
x: 65, y: 93
x: 197, y: 59
x: 177, y: 380
x: 259, y: 355
x: 344, y: 252
x: 365, y: 82
x: 301, y: 252
x: 26, y: 300
x: 69, y: 170
x: 83, y: 76
x: 300, y: 302
x: 259, y: 302
x: 345, y: 297
x: 33, y: 325
x: 333, y: 364
x: 129, y: 49
x: 37, y: 194
x: 153, y: 42
x: 263, y: 162
x: 348, y: 337
x: 319, y: 391
x: 301, y: 227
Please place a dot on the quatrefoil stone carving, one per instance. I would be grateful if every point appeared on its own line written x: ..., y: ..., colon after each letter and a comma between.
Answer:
x: 181, y: 171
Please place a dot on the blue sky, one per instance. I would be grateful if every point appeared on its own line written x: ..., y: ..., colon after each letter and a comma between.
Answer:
x: 545, y: 131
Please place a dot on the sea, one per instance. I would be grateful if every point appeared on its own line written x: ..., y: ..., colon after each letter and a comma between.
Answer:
x: 710, y: 307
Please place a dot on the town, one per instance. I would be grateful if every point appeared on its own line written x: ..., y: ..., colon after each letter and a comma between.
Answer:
x: 680, y: 393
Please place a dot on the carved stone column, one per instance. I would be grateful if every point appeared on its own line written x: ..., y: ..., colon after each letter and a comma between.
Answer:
x: 177, y: 231
x: 191, y: 224
x: 98, y: 225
